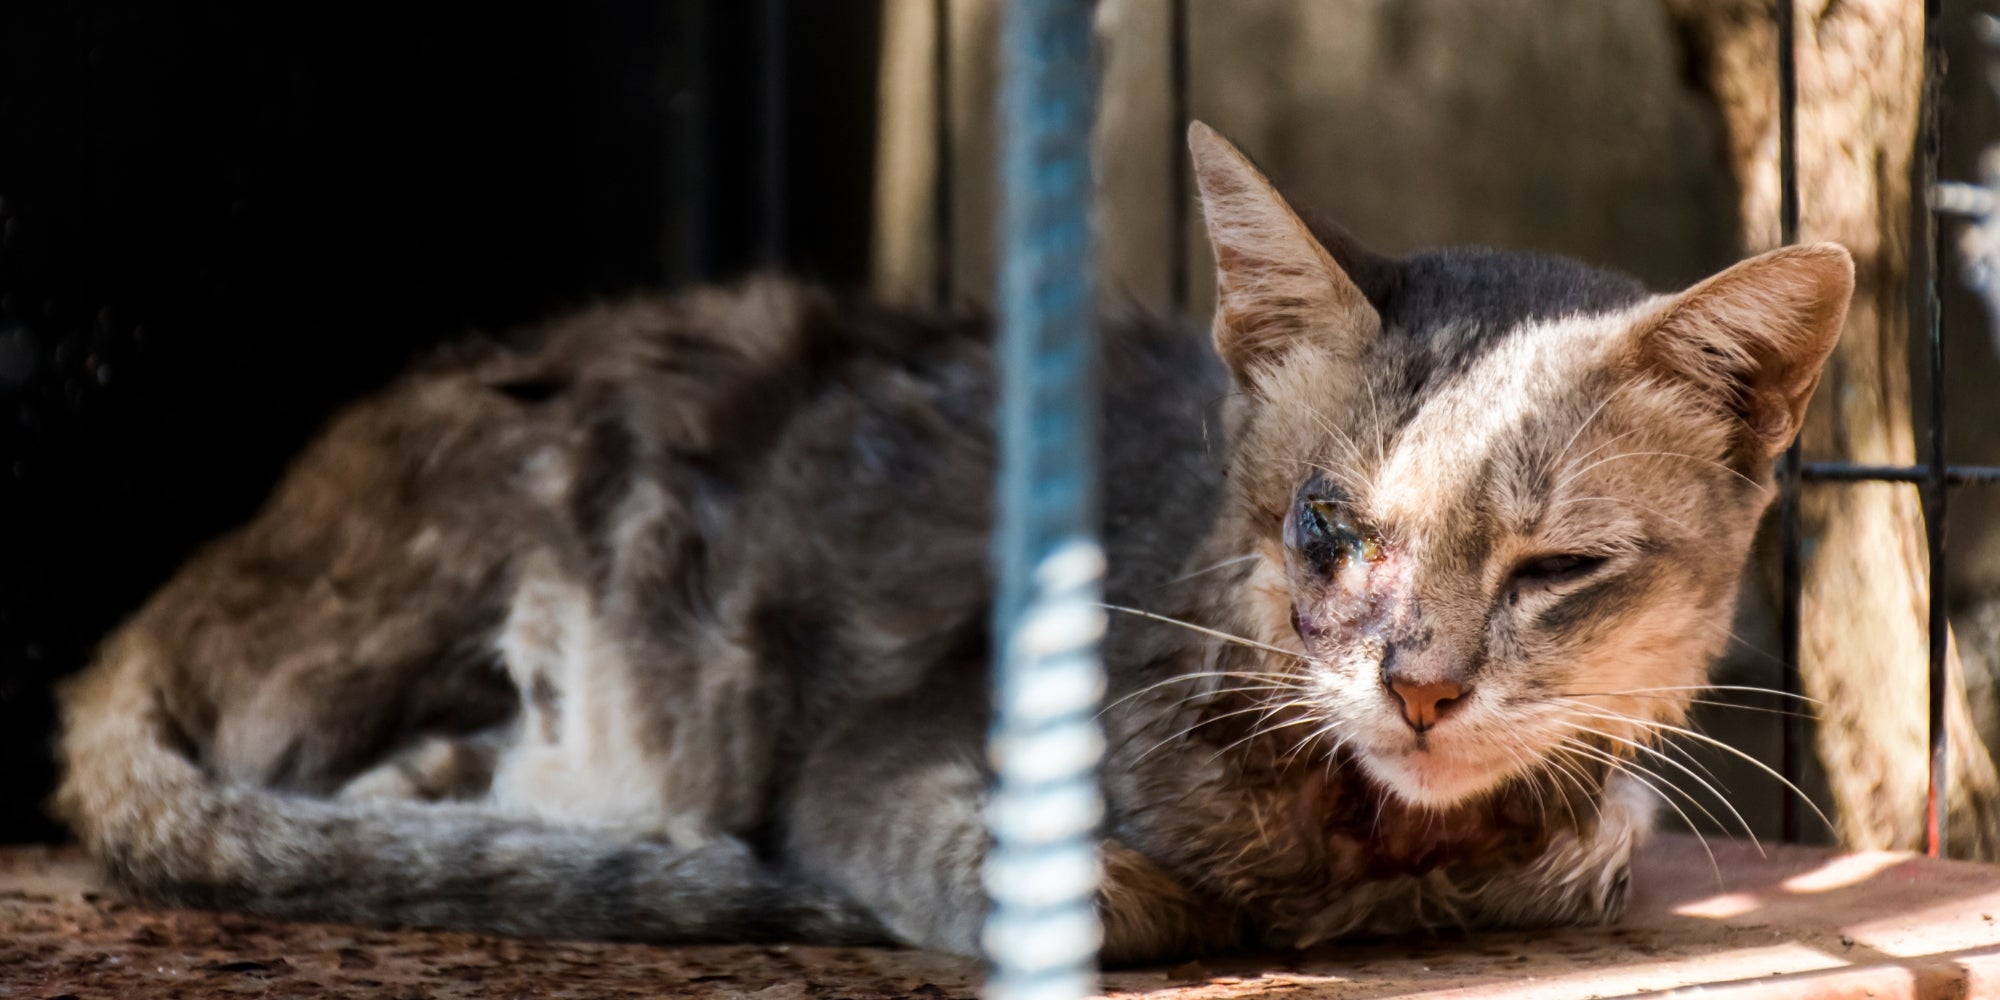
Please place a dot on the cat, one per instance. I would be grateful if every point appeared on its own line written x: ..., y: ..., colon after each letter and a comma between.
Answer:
x: 669, y: 620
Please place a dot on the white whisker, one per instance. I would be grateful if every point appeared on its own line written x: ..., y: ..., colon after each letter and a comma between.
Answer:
x: 1225, y: 636
x: 1726, y: 748
x: 1575, y: 746
x: 1204, y: 571
x: 1712, y: 790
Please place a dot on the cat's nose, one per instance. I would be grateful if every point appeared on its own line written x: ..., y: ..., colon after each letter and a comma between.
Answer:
x: 1427, y: 701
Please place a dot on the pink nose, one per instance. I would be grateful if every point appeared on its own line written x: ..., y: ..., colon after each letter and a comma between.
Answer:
x: 1425, y: 703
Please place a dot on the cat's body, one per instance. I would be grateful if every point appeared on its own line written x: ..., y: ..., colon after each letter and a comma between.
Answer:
x: 670, y: 620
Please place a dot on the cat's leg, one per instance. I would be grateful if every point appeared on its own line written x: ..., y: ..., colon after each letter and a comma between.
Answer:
x: 1581, y: 878
x: 578, y: 758
x: 627, y: 722
x: 889, y: 810
x: 1149, y: 916
x: 435, y: 769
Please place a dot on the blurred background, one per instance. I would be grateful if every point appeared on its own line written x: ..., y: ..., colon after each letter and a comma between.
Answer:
x: 220, y: 220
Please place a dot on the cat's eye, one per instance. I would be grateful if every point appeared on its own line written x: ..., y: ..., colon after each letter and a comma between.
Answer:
x: 1327, y: 538
x: 1555, y: 570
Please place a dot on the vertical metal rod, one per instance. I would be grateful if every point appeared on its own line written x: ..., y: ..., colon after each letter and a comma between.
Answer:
x: 771, y: 133
x: 941, y: 192
x: 1041, y: 935
x: 1934, y: 486
x: 1178, y: 195
x: 1792, y: 761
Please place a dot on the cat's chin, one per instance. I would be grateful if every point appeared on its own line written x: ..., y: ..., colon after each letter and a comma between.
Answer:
x: 1430, y: 778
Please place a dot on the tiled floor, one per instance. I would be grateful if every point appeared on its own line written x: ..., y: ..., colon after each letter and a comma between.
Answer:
x: 1799, y: 923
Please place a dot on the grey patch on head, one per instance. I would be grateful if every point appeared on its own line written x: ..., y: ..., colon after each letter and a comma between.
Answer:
x: 1457, y: 303
x: 1451, y: 288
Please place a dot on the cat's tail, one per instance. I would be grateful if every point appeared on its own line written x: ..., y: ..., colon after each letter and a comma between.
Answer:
x: 167, y: 832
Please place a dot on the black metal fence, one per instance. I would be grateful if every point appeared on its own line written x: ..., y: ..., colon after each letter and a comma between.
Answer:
x: 1934, y: 478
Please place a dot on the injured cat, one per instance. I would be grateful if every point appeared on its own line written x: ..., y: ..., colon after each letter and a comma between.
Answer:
x: 669, y: 620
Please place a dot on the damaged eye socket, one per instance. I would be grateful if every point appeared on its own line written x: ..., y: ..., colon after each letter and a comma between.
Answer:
x: 1327, y: 538
x: 1568, y: 567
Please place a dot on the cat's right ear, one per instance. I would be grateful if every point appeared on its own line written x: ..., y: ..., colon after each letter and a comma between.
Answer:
x: 1276, y: 287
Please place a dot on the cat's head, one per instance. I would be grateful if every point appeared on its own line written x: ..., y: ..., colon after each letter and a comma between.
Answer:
x: 1503, y: 500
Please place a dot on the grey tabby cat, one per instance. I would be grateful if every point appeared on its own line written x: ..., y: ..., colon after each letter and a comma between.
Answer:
x: 669, y: 621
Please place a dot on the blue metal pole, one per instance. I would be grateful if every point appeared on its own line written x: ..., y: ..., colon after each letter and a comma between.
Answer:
x: 1042, y: 933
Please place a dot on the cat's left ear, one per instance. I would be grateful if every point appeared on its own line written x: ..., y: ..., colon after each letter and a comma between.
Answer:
x: 1756, y: 336
x: 1276, y: 286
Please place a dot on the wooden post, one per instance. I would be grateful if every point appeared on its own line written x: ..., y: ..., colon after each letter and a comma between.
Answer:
x: 1862, y: 651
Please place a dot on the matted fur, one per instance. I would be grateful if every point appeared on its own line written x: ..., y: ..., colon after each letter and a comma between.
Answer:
x: 668, y: 620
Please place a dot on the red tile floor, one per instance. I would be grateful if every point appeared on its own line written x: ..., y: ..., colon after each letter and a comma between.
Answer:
x: 1801, y: 922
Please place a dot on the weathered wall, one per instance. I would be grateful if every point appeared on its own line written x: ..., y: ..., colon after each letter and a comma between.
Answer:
x: 1545, y: 124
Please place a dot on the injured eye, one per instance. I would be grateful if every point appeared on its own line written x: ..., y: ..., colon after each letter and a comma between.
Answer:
x: 1327, y: 539
x: 1556, y: 570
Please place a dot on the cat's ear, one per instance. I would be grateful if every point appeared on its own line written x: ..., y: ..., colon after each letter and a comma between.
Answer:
x: 1756, y: 336
x: 1276, y: 286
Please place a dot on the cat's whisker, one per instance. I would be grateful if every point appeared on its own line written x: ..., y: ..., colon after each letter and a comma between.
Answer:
x: 1273, y: 679
x: 1684, y: 769
x: 1628, y: 501
x: 1645, y: 725
x: 1375, y: 410
x: 1691, y: 798
x: 1342, y: 472
x: 1582, y: 777
x: 1725, y: 631
x: 1717, y: 703
x: 1667, y: 454
x: 1204, y: 571
x: 1565, y: 475
x: 1746, y: 688
x: 1333, y: 754
x: 1291, y: 757
x: 1173, y: 709
x: 1529, y: 769
x: 1732, y: 751
x: 1329, y: 729
x: 1261, y: 730
x: 1543, y: 480
x: 1346, y: 439
x: 1563, y: 766
x: 1213, y: 633
x: 1595, y: 711
x: 1263, y: 706
x: 1624, y: 767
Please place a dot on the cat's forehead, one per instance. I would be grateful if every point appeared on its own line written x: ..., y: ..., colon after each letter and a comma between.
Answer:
x: 1501, y: 414
x: 1504, y: 357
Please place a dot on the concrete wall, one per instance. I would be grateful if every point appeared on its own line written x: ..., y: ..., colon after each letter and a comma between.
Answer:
x: 1546, y: 124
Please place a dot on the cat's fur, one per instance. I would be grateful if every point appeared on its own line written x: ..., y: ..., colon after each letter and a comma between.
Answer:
x: 669, y: 620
